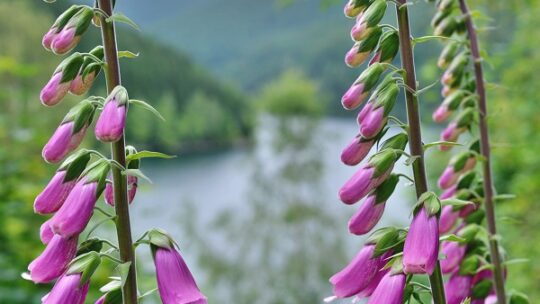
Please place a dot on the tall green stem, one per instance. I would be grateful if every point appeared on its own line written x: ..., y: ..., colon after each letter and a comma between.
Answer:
x: 415, y: 133
x: 123, y: 226
x: 498, y: 277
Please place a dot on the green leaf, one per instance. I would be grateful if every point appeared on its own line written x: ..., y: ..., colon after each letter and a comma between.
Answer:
x: 431, y: 37
x: 439, y: 143
x: 123, y: 270
x: 503, y: 197
x: 112, y: 285
x: 148, y: 154
x: 127, y: 54
x: 456, y: 202
x: 137, y: 173
x: 452, y: 238
x: 147, y: 107
x: 516, y: 261
x: 119, y: 17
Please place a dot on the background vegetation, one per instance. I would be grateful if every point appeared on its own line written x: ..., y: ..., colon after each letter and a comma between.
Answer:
x: 210, y: 76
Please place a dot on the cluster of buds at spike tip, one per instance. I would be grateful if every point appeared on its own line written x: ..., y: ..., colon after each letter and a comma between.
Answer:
x: 175, y: 282
x: 60, y: 185
x: 132, y: 181
x: 368, y: 21
x: 72, y: 218
x: 360, y: 89
x: 66, y: 31
x: 112, y: 121
x: 445, y: 22
x: 70, y: 133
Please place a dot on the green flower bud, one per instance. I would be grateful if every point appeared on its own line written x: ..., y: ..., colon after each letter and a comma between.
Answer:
x: 447, y: 54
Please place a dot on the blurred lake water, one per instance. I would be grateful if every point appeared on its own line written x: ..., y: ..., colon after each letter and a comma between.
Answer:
x: 217, y: 205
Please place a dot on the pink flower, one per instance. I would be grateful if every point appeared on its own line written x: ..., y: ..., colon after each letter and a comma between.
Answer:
x: 457, y: 288
x: 441, y: 114
x: 358, y: 275
x: 65, y: 40
x: 54, y: 259
x: 77, y: 210
x: 448, y: 178
x: 45, y: 232
x: 371, y: 120
x: 63, y: 142
x: 368, y: 291
x: 390, y: 290
x: 55, y: 90
x: 367, y: 216
x: 132, y: 190
x: 54, y: 194
x: 354, y: 96
x: 448, y: 219
x: 467, y: 210
x: 448, y: 193
x: 111, y: 122
x: 450, y: 134
x: 68, y: 289
x: 48, y: 38
x: 454, y: 253
x: 421, y: 247
x: 356, y: 151
x: 176, y: 284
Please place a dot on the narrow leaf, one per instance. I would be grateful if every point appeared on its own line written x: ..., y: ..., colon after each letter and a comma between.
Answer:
x: 439, y: 143
x: 127, y: 54
x: 137, y: 173
x: 147, y: 107
x: 119, y: 17
x: 148, y: 154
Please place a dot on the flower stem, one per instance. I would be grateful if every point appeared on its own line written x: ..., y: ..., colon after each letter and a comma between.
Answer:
x: 123, y: 226
x: 415, y: 134
x: 485, y: 151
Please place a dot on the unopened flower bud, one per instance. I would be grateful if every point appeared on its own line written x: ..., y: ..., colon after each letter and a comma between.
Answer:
x: 369, y: 214
x: 454, y: 253
x: 368, y: 177
x: 448, y: 219
x: 87, y: 73
x: 457, y: 288
x: 57, y: 87
x: 388, y: 48
x: 450, y: 134
x: 70, y: 133
x: 449, y: 105
x: 367, y: 22
x: 361, y: 50
x: 453, y: 75
x: 60, y: 22
x: 78, y: 208
x: 70, y: 35
x: 354, y: 7
x: 374, y: 115
x: 447, y: 54
x: 362, y: 86
x: 439, y: 16
x: 111, y: 123
x: 356, y: 151
x: 446, y: 27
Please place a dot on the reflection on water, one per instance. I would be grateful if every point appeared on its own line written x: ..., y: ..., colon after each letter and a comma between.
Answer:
x: 262, y: 224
